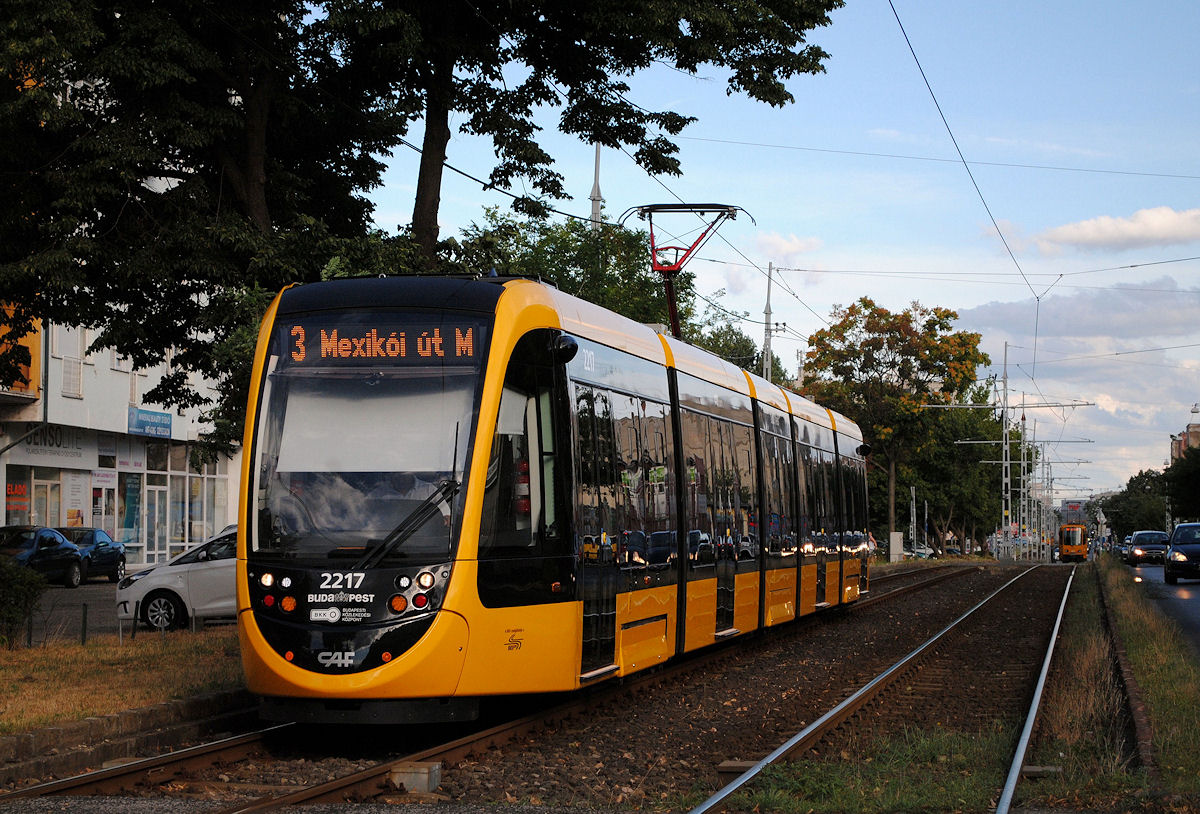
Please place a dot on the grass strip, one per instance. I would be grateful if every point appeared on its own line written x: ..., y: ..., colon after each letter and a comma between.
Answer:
x: 1082, y: 733
x: 69, y: 681
x: 1169, y: 676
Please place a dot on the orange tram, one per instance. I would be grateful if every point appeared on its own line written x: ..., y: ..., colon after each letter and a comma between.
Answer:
x: 456, y: 488
x: 1073, y: 542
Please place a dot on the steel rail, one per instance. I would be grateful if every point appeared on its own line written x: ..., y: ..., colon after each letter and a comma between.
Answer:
x: 373, y: 781
x: 833, y: 717
x: 1018, y: 763
x: 118, y: 778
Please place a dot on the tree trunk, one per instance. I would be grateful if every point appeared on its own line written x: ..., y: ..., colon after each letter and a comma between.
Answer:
x: 433, y: 155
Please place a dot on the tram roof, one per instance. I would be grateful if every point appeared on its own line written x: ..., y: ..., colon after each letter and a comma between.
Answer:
x: 601, y: 325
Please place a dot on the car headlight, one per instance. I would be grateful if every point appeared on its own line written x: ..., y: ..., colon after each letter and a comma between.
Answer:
x: 132, y: 578
x: 1179, y: 556
x: 1137, y: 552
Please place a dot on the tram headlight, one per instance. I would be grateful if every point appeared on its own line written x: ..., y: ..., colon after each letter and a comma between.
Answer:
x: 267, y: 580
x: 425, y: 580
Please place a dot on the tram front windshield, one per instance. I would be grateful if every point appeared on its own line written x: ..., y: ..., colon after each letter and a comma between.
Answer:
x: 363, y: 436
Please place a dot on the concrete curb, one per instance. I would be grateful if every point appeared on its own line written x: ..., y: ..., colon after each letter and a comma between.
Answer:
x: 62, y: 751
x: 1143, y: 732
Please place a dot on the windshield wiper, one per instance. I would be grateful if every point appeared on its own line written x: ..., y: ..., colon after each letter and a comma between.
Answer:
x: 409, y: 525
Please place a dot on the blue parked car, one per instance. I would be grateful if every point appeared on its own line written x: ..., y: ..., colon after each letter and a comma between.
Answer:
x: 45, y: 551
x: 102, y: 556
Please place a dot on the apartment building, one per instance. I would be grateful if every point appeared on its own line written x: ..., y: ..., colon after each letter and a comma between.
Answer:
x: 79, y: 447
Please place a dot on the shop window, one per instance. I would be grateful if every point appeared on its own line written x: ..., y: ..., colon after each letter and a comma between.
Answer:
x: 179, y: 458
x: 156, y: 456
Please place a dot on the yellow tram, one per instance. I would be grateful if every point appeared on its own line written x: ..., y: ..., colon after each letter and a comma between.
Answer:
x: 455, y: 488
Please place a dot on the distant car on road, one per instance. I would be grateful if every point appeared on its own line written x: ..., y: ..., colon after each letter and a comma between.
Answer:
x: 44, y: 550
x: 101, y: 555
x: 1147, y: 546
x: 1182, y: 560
x: 200, y: 582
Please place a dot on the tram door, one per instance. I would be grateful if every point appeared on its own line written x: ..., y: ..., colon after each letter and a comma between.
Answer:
x: 596, y: 533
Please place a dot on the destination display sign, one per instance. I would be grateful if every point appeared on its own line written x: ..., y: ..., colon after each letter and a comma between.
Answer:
x: 317, y: 343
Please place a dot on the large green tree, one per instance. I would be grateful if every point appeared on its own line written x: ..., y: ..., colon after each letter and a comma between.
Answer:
x: 499, y: 66
x: 881, y: 368
x: 168, y: 166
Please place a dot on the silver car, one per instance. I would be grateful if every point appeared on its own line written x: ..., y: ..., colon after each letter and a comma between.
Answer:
x: 199, y: 583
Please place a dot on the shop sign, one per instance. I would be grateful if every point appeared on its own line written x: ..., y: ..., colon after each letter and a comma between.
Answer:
x: 55, y: 445
x: 149, y: 423
x: 16, y: 497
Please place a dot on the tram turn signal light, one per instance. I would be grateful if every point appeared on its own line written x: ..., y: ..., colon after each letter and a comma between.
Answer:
x: 398, y: 604
x: 287, y: 604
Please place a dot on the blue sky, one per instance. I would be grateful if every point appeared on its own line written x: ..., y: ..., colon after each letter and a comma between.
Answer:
x: 1079, y: 123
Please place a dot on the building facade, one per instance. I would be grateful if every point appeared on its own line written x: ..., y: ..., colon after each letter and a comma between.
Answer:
x: 79, y: 447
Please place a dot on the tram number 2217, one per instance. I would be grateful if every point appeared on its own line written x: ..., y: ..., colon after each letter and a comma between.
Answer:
x: 337, y: 581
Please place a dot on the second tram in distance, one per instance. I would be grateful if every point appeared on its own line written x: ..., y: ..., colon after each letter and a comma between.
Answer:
x: 1073, y: 542
x: 455, y: 488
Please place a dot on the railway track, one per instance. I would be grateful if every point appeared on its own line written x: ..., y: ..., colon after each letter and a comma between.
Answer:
x: 908, y: 691
x: 208, y: 770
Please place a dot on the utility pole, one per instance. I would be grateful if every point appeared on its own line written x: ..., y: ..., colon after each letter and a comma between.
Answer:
x: 766, y: 366
x: 1005, y: 477
x: 912, y: 515
x: 595, y: 196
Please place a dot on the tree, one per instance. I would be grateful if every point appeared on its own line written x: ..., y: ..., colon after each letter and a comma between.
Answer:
x: 169, y: 167
x: 497, y: 64
x: 1182, y: 481
x: 719, y: 333
x: 879, y: 368
x: 609, y: 266
x: 963, y: 493
x: 1140, y: 505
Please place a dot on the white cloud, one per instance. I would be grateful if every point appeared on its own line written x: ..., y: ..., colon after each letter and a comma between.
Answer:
x: 785, y: 251
x: 1160, y: 226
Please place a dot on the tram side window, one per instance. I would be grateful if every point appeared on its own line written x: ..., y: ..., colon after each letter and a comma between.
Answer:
x: 825, y: 520
x: 522, y: 508
x: 698, y: 483
x: 807, y: 490
x: 746, y: 535
x: 779, y: 489
x: 855, y: 501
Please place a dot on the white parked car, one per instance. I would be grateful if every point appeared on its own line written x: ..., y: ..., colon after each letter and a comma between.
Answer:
x: 199, y: 583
